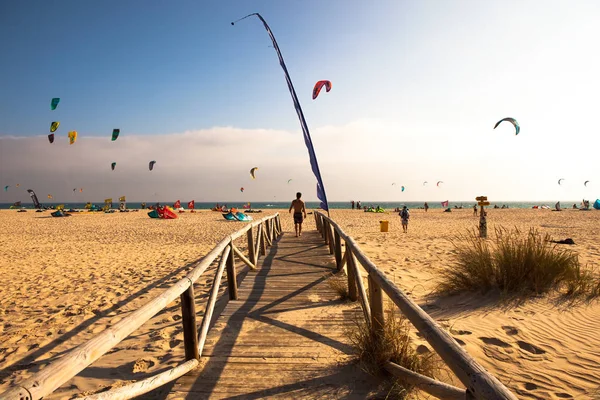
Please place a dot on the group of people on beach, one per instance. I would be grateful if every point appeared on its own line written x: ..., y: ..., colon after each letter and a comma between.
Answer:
x: 357, y: 203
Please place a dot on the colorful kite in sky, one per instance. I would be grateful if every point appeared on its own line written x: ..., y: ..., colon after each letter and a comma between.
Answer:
x: 252, y: 172
x: 318, y: 86
x: 115, y: 134
x: 512, y: 121
x: 54, y: 103
x: 72, y: 137
x: 151, y: 165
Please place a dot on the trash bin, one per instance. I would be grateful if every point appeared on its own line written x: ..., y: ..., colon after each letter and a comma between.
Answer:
x: 384, y: 225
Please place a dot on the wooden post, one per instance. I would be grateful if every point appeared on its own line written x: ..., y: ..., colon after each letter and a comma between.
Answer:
x: 338, y: 249
x: 331, y: 241
x: 231, y: 275
x: 482, y: 224
x: 376, y: 300
x: 251, y: 246
x: 266, y: 236
x: 212, y: 299
x: 279, y: 224
x: 257, y: 244
x: 352, y: 290
x: 482, y: 201
x: 188, y: 317
x: 267, y: 229
x: 262, y: 241
x: 325, y: 229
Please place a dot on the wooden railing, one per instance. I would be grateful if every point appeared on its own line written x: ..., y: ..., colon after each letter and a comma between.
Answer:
x: 57, y: 373
x: 478, y: 382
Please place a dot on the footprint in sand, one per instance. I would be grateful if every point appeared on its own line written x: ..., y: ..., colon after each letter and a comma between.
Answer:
x: 143, y: 364
x: 422, y: 349
x: 494, y: 342
x: 530, y: 348
x: 563, y: 395
x: 459, y: 332
x: 510, y: 330
x: 531, y: 386
x: 459, y: 341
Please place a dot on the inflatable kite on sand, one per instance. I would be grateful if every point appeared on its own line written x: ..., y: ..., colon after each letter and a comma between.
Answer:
x: 163, y: 213
x: 238, y: 216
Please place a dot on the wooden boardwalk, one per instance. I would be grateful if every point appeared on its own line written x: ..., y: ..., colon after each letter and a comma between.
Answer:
x: 284, y: 337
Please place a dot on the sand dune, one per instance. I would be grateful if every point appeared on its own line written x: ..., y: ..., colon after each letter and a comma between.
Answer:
x: 66, y: 279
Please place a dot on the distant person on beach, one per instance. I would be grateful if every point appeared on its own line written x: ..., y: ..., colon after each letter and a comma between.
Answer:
x: 426, y: 206
x: 299, y: 211
x: 475, y: 210
x: 358, y: 205
x: 352, y: 204
x: 404, y: 216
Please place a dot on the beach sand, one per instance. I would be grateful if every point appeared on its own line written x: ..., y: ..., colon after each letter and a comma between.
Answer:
x: 66, y: 279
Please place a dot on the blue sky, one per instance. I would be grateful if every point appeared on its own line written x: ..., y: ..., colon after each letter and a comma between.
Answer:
x: 417, y: 89
x: 156, y: 67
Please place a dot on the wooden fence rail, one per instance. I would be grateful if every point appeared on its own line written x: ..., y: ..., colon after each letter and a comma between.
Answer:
x: 479, y: 383
x: 66, y: 367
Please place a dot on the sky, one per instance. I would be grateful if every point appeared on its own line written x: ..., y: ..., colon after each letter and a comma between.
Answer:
x: 417, y: 89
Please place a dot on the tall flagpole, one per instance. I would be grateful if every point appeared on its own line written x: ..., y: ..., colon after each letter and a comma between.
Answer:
x: 307, y: 139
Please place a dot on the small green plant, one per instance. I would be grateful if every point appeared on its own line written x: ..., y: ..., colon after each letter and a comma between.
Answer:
x: 513, y: 263
x: 339, y: 284
x: 395, y: 345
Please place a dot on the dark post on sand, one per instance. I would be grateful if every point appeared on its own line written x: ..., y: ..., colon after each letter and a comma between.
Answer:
x: 482, y: 202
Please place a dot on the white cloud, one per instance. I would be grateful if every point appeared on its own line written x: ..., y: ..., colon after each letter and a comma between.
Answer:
x: 359, y: 160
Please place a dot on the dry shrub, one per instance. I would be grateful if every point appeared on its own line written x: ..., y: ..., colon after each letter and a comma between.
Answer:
x: 339, y: 284
x: 513, y: 263
x: 396, y: 346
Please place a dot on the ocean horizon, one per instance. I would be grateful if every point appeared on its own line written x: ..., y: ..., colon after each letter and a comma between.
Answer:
x: 310, y: 205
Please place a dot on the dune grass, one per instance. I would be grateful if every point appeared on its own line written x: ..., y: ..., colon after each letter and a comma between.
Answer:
x: 338, y: 283
x: 396, y: 346
x: 515, y: 263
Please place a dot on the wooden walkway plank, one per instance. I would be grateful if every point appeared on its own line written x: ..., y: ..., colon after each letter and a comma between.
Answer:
x: 284, y: 336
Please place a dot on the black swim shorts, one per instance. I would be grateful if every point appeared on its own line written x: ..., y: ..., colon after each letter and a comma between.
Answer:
x: 298, y: 218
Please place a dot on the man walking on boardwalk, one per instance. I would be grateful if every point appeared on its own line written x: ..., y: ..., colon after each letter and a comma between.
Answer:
x: 299, y: 213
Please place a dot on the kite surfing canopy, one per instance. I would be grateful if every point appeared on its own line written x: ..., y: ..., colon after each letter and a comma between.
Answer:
x: 561, y: 179
x: 318, y: 86
x: 289, y: 180
x: 151, y: 165
x: 512, y: 121
x: 54, y: 126
x: 115, y: 134
x: 51, y: 138
x: 252, y: 172
x: 113, y: 165
x: 54, y: 102
x: 438, y: 184
x: 585, y: 183
x: 72, y: 137
x: 403, y: 188
x: 424, y: 183
x: 6, y: 188
x: 242, y: 189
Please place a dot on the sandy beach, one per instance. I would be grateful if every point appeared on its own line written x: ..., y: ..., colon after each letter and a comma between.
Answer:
x: 66, y: 279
